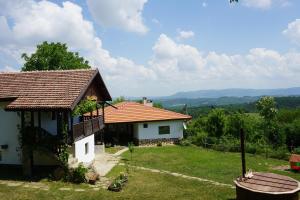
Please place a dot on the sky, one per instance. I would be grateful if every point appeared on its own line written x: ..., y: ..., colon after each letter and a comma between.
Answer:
x: 158, y: 48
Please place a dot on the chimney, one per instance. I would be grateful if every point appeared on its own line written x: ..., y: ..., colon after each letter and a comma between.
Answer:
x: 147, y: 102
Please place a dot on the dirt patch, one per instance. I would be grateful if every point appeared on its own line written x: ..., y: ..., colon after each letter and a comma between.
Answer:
x: 282, y: 168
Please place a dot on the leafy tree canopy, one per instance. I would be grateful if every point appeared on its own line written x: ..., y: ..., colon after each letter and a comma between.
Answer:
x: 53, y: 56
x: 118, y: 100
x: 266, y: 107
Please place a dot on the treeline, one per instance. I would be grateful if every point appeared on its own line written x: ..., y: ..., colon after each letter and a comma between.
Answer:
x: 290, y: 102
x: 271, y: 131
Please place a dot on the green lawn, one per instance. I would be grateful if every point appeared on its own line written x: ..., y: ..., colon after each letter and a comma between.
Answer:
x: 194, y: 161
x: 113, y: 150
x: 141, y: 185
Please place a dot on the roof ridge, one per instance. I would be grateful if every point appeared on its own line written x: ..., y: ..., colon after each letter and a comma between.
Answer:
x: 44, y: 71
x: 151, y: 107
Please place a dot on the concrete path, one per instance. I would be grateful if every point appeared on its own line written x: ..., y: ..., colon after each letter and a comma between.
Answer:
x: 121, y: 151
x: 104, y: 162
x: 183, y: 176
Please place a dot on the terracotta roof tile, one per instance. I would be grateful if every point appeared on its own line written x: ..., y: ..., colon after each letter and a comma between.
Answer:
x: 136, y: 112
x: 44, y: 89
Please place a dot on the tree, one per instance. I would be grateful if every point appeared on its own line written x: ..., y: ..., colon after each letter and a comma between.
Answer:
x: 235, y: 122
x: 118, y: 100
x: 216, y: 122
x: 53, y: 56
x: 266, y: 107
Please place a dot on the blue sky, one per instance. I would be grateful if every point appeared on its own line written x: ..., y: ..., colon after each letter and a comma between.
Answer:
x: 154, y: 47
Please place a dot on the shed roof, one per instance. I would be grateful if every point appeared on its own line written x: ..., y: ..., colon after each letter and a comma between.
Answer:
x: 59, y: 89
x: 136, y: 112
x: 295, y: 158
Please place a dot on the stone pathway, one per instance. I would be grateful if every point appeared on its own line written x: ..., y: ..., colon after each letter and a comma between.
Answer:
x: 33, y: 185
x: 104, y: 162
x: 183, y: 176
x: 103, y: 183
x: 121, y: 151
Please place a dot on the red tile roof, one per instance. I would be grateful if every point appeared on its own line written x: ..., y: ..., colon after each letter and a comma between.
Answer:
x: 46, y: 89
x: 136, y: 112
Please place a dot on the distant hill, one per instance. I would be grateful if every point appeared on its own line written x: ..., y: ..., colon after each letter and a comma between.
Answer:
x: 235, y: 92
x: 194, y: 102
x: 220, y: 97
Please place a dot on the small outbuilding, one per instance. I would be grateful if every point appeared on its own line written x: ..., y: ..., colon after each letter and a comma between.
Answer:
x: 142, y: 124
x: 295, y: 162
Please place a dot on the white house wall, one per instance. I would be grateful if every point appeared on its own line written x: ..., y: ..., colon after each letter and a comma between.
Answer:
x: 80, y: 153
x: 46, y: 122
x: 141, y: 133
x: 9, y: 122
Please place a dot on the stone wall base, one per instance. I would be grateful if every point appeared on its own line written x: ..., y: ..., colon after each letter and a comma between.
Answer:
x: 152, y: 142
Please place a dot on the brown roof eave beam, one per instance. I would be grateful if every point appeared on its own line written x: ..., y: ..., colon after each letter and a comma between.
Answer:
x: 37, y: 109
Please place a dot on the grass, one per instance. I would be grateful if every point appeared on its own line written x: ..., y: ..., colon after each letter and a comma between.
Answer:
x: 194, y: 161
x: 142, y: 185
x: 113, y: 150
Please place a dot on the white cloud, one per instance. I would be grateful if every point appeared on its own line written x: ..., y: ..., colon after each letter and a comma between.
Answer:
x: 185, y: 34
x: 45, y: 20
x: 263, y: 4
x: 156, y: 21
x: 172, y: 67
x: 184, y: 67
x: 293, y: 31
x: 123, y: 14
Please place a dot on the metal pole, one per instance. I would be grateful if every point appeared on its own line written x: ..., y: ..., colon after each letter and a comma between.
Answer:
x: 242, y: 136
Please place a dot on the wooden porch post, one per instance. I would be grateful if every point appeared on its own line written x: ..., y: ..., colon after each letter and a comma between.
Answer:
x: 27, y: 155
x: 71, y: 125
x: 31, y: 150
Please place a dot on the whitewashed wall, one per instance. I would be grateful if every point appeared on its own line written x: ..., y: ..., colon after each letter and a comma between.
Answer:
x: 46, y: 122
x: 9, y: 122
x: 176, y: 130
x: 80, y: 149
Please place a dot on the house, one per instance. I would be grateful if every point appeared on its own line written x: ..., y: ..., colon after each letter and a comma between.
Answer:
x: 44, y: 101
x: 142, y: 123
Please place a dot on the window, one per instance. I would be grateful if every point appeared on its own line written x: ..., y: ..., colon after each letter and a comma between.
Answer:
x: 86, y: 148
x: 163, y: 130
x: 145, y: 125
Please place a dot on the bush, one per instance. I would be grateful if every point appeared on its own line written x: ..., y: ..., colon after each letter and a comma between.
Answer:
x: 296, y: 150
x: 77, y: 175
x: 280, y: 153
x: 118, y: 183
x: 159, y: 144
x: 199, y: 139
x: 185, y: 142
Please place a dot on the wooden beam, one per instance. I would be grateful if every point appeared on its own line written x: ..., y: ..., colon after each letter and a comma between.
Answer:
x: 39, y: 120
x: 32, y: 119
x: 71, y: 126
x: 22, y: 119
x: 243, y: 152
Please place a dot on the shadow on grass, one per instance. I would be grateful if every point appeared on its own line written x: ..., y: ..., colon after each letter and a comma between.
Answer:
x: 8, y: 172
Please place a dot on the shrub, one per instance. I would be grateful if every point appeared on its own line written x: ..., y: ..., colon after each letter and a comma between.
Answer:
x: 159, y: 144
x: 77, y: 175
x: 199, y: 139
x: 118, y: 183
x: 297, y: 150
x: 280, y: 153
x: 185, y: 142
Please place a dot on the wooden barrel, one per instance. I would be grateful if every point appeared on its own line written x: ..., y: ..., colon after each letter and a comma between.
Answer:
x: 265, y: 186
